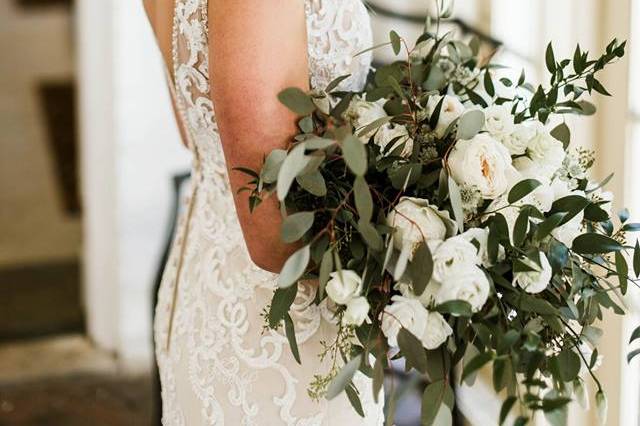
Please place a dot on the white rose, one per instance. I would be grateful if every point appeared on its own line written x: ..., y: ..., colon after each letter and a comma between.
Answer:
x: 437, y: 331
x: 534, y: 281
x: 519, y: 138
x: 343, y: 286
x: 469, y: 284
x: 363, y: 113
x: 451, y: 109
x: 498, y: 120
x: 415, y: 221
x: 483, y: 162
x: 545, y: 150
x: 481, y: 236
x: 404, y: 312
x: 456, y: 253
x: 388, y: 133
x: 356, y: 312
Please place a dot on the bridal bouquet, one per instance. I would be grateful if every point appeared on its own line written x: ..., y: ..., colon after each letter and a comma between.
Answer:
x: 449, y: 221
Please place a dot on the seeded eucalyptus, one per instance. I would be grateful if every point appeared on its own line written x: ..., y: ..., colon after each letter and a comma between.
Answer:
x: 448, y: 219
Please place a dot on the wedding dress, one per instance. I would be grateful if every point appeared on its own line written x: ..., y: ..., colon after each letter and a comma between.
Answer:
x: 218, y: 366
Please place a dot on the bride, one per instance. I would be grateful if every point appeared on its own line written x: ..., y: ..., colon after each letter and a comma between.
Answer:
x: 218, y: 364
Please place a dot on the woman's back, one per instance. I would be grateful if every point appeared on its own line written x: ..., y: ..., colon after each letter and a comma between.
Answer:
x: 218, y: 365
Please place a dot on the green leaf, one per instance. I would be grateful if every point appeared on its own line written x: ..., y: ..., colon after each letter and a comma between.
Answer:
x: 550, y: 59
x: 635, y: 335
x: 370, y: 235
x: 292, y: 165
x: 294, y: 267
x: 521, y: 227
x: 364, y: 202
x: 562, y: 133
x: 623, y: 271
x: 326, y: 267
x: 470, y: 123
x: 522, y: 189
x: 506, y: 408
x: 344, y: 376
x: 395, y: 41
x: 456, y: 203
x: 272, y: 164
x: 435, y: 116
x: 569, y: 363
x: 476, y: 363
x: 632, y: 354
x: 457, y: 308
x: 592, y: 243
x: 336, y: 82
x: 282, y: 300
x: 295, y: 226
x: 374, y: 125
x: 602, y: 407
x: 636, y: 259
x: 488, y: 84
x: 297, y: 101
x: 354, y: 399
x: 318, y: 143
x: 586, y: 108
x: 412, y: 350
x: 291, y: 337
x: 432, y: 400
x: 378, y: 378
x: 355, y: 155
x: 421, y: 268
x: 313, y: 183
x: 548, y: 225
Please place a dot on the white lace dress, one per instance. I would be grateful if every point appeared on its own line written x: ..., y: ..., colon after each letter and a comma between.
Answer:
x: 217, y: 365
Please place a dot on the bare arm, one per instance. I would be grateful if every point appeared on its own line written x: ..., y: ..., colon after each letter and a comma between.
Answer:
x: 257, y: 48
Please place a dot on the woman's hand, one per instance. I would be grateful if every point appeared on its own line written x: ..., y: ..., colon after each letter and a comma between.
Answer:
x: 256, y: 49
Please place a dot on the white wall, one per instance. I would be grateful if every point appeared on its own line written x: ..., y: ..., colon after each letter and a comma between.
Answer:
x: 131, y: 150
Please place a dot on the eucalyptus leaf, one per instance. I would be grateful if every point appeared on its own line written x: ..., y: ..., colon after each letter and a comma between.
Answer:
x: 476, y: 363
x: 326, y: 267
x: 280, y: 303
x: 355, y: 155
x: 344, y: 376
x: 378, y: 378
x: 432, y: 400
x: 363, y: 199
x: 272, y: 163
x: 412, y: 350
x: 395, y: 41
x: 292, y: 165
x: 297, y: 101
x: 294, y: 267
x: 296, y: 225
x: 456, y: 203
x: 623, y: 271
x: 420, y: 268
x: 470, y: 123
x: 562, y: 133
x: 313, y: 183
x: 291, y: 337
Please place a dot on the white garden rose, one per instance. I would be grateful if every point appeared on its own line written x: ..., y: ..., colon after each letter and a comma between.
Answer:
x: 454, y: 254
x: 404, y: 312
x: 362, y: 113
x: 415, y: 221
x: 468, y: 283
x: 388, y: 133
x: 451, y: 109
x: 546, y: 151
x: 534, y: 281
x: 484, y: 162
x: 428, y: 296
x: 356, y: 312
x: 437, y: 331
x: 343, y: 286
x: 518, y: 140
x: 498, y: 120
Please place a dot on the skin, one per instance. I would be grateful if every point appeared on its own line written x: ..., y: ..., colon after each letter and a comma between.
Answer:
x: 257, y: 48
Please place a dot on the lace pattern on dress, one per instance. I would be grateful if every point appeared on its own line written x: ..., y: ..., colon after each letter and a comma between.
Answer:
x: 221, y: 367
